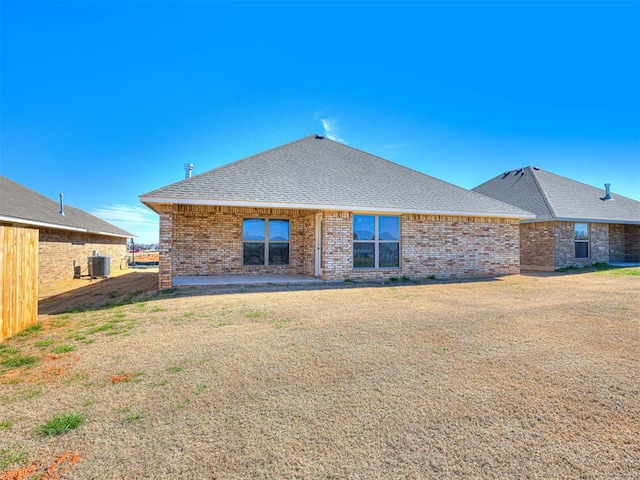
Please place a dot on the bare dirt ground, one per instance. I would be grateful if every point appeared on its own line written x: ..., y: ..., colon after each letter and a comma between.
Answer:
x: 531, y: 376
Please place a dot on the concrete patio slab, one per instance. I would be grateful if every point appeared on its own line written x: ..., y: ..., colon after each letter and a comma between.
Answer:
x: 241, y: 280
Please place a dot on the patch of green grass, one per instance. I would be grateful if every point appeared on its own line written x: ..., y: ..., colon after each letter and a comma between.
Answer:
x: 6, y: 424
x: 63, y: 349
x: 160, y: 383
x: 9, y: 457
x: 24, y: 394
x: 255, y: 314
x: 20, y: 361
x: 624, y: 271
x: 43, y: 343
x: 115, y: 325
x: 30, y: 330
x: 61, y: 322
x: 130, y: 296
x: 61, y: 424
x: 31, y: 393
x: 6, y: 351
x: 185, y: 402
x: 131, y: 418
x: 281, y: 322
x: 175, y: 369
x: 157, y: 309
x: 219, y: 325
x: 594, y: 267
x: 199, y: 389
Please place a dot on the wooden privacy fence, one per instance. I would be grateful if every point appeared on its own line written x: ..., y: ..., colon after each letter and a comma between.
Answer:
x: 19, y: 281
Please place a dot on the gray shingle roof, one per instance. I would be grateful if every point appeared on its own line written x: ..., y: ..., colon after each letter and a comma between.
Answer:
x: 552, y: 196
x: 316, y: 172
x: 21, y: 205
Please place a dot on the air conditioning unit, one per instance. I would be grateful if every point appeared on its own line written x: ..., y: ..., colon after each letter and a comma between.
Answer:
x: 99, y: 266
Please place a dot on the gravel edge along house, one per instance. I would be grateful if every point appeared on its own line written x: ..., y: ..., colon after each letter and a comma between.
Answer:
x: 319, y: 208
x: 67, y: 236
x: 575, y: 224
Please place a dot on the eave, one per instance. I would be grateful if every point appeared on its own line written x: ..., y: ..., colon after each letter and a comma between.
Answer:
x: 582, y: 220
x: 57, y: 226
x: 150, y: 201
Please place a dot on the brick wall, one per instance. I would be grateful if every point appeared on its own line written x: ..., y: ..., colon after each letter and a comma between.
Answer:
x: 447, y: 246
x: 565, y: 245
x: 165, y: 248
x: 616, y: 243
x: 537, y: 246
x: 59, y: 248
x: 309, y: 245
x: 207, y: 240
x: 337, y: 250
x: 443, y: 246
x: 632, y: 243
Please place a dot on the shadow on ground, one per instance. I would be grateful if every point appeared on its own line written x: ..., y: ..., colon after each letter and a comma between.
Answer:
x: 101, y: 294
x: 142, y: 286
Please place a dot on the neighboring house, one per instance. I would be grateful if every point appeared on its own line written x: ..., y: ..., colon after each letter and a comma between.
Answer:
x: 65, y: 241
x: 319, y: 208
x: 575, y: 224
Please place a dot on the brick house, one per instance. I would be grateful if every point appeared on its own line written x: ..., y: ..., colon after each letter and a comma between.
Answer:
x: 65, y: 241
x: 575, y: 224
x: 319, y: 208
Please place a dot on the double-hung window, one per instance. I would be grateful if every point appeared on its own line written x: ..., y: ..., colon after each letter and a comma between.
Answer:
x: 376, y: 241
x: 581, y: 239
x: 265, y: 241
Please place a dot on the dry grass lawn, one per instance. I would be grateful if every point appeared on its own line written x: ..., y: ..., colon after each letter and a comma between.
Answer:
x: 519, y: 377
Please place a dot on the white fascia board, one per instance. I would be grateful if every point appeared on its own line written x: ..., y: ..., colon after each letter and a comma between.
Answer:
x: 582, y: 220
x: 36, y: 223
x: 305, y: 206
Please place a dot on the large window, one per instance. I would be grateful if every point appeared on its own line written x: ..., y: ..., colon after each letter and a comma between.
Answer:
x: 376, y: 241
x: 581, y: 238
x: 265, y: 242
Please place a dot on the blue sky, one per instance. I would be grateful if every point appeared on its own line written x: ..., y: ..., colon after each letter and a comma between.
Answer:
x: 107, y: 101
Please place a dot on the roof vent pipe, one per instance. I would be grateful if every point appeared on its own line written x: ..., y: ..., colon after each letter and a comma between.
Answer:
x: 607, y: 192
x: 187, y: 170
x: 62, y: 204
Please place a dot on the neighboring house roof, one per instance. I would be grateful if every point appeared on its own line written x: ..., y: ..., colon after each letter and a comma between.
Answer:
x: 318, y: 173
x: 20, y: 205
x: 553, y: 197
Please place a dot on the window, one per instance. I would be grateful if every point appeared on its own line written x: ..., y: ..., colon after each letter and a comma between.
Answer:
x: 376, y: 241
x: 265, y: 242
x: 581, y: 237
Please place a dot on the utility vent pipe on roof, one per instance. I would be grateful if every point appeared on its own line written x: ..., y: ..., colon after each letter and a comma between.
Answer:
x: 607, y: 192
x: 187, y: 170
x: 62, y: 204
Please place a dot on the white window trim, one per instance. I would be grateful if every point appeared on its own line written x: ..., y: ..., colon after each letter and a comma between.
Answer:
x: 376, y: 241
x: 266, y: 241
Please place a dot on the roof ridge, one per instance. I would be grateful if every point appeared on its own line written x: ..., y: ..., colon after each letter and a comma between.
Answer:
x: 543, y: 194
x: 234, y: 162
x: 408, y: 168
